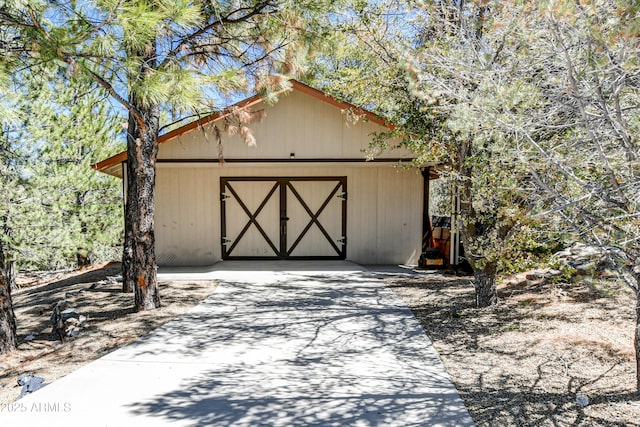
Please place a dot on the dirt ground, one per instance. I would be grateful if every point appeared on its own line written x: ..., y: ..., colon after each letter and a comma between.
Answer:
x: 523, y: 362
x: 93, y: 292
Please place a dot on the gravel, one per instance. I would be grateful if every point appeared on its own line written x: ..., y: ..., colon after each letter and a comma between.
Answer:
x: 537, y: 357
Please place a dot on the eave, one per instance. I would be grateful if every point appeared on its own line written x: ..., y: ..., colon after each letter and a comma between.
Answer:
x: 111, y: 164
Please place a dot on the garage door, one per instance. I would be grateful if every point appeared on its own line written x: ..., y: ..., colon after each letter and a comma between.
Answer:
x: 283, y: 218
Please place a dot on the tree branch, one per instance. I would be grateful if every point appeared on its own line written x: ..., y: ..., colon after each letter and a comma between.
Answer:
x: 97, y: 78
x: 227, y: 19
x: 580, y: 101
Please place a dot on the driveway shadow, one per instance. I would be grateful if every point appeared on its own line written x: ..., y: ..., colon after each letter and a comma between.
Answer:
x: 327, y: 350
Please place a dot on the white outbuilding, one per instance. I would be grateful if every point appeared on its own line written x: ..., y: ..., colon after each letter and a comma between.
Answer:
x: 305, y: 190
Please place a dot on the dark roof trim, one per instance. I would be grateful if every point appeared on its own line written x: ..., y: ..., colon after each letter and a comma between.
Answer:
x: 288, y: 160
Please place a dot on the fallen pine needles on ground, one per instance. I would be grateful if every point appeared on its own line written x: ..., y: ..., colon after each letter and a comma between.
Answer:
x: 528, y: 360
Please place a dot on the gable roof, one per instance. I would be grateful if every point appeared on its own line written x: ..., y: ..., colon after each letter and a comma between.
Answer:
x: 108, y: 163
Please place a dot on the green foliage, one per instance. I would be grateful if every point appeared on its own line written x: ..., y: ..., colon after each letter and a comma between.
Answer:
x: 561, y: 91
x: 162, y: 57
x: 60, y: 208
x: 180, y: 55
x: 440, y: 197
x: 529, y: 107
x: 425, y: 67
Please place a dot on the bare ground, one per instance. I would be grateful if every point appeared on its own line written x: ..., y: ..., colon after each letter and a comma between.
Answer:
x: 523, y: 362
x: 520, y: 363
x: 111, y: 321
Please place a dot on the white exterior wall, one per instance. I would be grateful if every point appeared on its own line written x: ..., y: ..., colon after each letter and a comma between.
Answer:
x: 298, y: 123
x: 384, y: 206
x: 384, y: 210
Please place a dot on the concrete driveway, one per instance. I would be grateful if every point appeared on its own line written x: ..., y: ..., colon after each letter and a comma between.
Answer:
x: 277, y: 344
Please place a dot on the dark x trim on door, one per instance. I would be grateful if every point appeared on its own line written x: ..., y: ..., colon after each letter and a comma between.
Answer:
x: 284, y: 248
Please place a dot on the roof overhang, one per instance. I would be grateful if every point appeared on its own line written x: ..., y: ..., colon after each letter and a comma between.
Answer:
x: 112, y: 164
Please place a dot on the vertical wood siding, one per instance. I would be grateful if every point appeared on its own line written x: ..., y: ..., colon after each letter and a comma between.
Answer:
x: 383, y: 208
x: 187, y: 217
x: 297, y: 124
x: 383, y: 211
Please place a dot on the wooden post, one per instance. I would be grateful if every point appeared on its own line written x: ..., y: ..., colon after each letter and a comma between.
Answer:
x: 426, y: 219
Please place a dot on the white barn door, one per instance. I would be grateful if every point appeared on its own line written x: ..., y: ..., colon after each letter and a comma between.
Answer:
x: 283, y: 218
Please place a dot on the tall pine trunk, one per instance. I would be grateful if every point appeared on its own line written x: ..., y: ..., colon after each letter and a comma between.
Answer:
x: 139, y: 260
x: 139, y: 254
x: 82, y: 251
x: 8, y: 336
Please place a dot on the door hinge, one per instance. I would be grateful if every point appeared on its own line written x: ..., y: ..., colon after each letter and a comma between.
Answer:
x: 224, y: 197
x: 343, y: 196
x: 225, y: 241
x: 342, y: 241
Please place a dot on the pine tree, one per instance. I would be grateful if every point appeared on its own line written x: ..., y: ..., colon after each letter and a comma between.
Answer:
x: 565, y: 91
x: 8, y: 337
x: 152, y: 55
x: 52, y: 202
x: 65, y: 129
